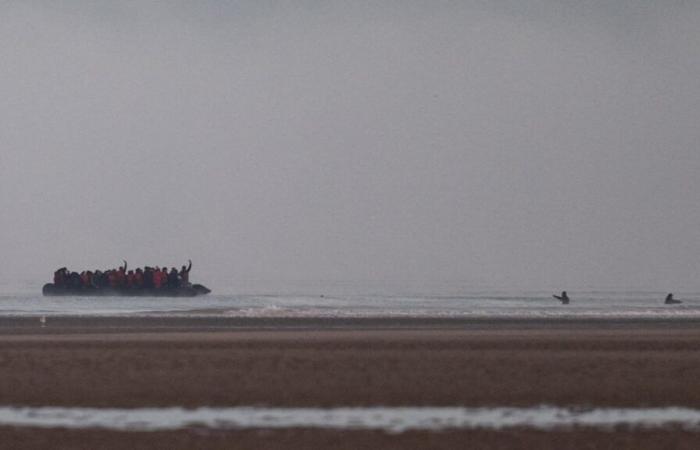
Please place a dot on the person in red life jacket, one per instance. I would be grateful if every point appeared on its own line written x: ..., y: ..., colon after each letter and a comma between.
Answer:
x: 130, y: 280
x: 185, y: 274
x: 157, y: 278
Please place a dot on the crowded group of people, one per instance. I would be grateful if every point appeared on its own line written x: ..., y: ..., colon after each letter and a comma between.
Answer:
x: 121, y: 278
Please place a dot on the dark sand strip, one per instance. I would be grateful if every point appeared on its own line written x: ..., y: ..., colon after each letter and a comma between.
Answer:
x: 11, y: 325
x: 645, y: 366
x: 26, y: 439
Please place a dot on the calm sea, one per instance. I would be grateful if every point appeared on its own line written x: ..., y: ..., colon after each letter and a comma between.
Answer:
x: 359, y: 300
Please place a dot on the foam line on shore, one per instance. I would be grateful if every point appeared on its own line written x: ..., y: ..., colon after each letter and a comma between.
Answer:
x: 394, y: 420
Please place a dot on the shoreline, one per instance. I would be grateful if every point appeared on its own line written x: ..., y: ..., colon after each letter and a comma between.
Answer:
x: 23, y: 324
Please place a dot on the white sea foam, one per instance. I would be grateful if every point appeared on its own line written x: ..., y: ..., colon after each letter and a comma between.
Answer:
x: 395, y: 420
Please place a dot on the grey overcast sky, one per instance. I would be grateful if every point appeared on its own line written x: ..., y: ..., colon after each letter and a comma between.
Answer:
x: 506, y: 143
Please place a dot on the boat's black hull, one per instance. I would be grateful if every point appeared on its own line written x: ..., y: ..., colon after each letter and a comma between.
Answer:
x: 52, y: 290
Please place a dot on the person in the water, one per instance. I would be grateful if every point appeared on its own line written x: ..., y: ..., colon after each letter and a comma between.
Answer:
x: 671, y: 301
x: 563, y: 298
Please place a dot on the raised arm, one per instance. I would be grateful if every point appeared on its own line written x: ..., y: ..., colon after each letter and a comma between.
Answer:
x: 189, y: 267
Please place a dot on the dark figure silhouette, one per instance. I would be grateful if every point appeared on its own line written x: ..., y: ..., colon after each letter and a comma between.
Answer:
x: 59, y: 276
x: 563, y: 298
x: 148, y: 278
x: 173, y: 278
x: 671, y: 301
x: 185, y: 274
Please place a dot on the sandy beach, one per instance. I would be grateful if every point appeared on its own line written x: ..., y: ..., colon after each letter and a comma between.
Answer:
x: 122, y: 363
x: 26, y: 439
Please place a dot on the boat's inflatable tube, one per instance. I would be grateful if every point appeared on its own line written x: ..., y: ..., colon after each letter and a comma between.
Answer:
x: 50, y: 289
x: 200, y: 289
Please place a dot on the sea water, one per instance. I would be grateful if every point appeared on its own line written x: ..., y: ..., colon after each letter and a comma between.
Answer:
x: 358, y: 300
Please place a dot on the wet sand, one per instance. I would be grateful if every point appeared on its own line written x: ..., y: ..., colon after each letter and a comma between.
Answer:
x: 303, y: 439
x: 136, y: 363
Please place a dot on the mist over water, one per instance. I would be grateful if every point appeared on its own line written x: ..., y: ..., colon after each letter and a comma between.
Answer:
x: 542, y: 145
